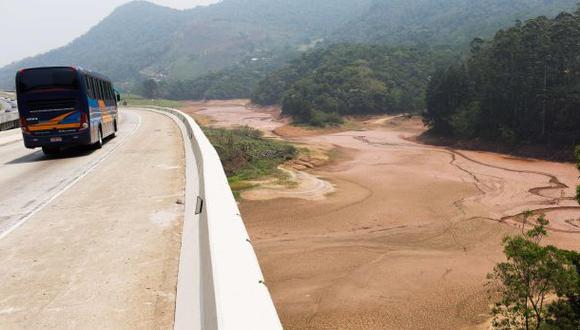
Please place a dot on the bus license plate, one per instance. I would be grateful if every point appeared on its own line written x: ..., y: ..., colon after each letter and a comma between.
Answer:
x: 56, y: 139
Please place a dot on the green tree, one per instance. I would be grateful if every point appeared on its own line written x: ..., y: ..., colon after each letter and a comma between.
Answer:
x: 531, y: 275
x: 350, y: 79
x: 446, y: 94
x: 525, y: 82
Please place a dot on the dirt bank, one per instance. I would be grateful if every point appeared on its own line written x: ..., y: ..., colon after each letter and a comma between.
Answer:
x: 409, y: 232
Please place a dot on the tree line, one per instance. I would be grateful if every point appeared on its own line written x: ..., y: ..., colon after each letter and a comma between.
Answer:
x: 350, y: 79
x: 227, y: 84
x: 522, y: 86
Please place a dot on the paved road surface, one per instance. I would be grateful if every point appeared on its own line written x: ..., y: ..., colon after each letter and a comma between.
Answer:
x: 91, y: 239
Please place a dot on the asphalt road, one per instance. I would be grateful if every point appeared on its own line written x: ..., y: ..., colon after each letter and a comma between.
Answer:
x: 90, y: 239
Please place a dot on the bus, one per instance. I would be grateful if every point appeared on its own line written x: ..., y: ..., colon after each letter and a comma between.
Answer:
x: 60, y: 107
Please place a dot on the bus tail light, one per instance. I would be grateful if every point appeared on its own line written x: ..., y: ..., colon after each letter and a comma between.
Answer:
x: 24, y: 126
x: 84, y: 120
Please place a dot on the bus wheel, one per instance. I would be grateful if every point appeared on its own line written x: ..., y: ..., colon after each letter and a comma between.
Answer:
x: 49, y: 151
x: 99, y: 143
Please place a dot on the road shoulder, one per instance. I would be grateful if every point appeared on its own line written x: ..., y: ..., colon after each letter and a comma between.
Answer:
x: 104, y: 254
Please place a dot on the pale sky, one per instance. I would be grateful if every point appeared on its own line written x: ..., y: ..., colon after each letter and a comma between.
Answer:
x: 31, y: 27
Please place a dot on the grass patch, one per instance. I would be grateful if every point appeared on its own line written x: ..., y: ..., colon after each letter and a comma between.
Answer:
x: 347, y: 124
x: 333, y: 154
x: 238, y: 185
x: 246, y: 155
x: 138, y: 101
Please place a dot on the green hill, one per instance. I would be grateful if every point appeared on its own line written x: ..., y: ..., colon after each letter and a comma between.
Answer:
x: 141, y: 39
x: 130, y: 40
x: 224, y: 49
x: 351, y: 79
x: 437, y: 24
x: 452, y: 22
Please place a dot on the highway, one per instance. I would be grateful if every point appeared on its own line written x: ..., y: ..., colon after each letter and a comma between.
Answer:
x: 7, y: 113
x: 91, y: 238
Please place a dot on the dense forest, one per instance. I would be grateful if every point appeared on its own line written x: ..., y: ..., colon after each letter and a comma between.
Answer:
x: 442, y: 22
x: 522, y: 86
x: 345, y: 79
x: 420, y: 23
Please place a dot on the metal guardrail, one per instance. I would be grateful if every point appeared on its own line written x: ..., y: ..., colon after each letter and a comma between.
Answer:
x: 231, y: 290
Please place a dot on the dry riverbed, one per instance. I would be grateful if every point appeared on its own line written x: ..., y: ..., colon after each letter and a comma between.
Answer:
x: 386, y: 232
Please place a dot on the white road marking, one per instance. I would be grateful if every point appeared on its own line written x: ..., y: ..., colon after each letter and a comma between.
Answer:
x: 60, y: 191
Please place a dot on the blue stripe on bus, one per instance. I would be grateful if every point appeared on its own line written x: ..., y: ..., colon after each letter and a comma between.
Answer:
x: 73, y: 118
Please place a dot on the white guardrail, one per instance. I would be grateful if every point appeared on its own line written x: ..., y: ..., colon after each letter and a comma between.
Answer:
x: 222, y: 287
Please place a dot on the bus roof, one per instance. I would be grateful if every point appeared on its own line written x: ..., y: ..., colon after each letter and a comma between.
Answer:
x: 77, y: 68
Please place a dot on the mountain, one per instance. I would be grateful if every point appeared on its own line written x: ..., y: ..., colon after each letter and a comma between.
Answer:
x: 451, y: 22
x: 418, y: 36
x: 131, y: 39
x: 141, y: 39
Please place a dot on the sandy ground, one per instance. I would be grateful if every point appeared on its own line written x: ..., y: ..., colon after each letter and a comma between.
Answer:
x: 233, y: 113
x: 105, y: 253
x: 407, y: 235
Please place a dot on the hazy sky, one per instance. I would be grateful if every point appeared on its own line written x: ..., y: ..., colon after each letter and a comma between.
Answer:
x: 31, y: 27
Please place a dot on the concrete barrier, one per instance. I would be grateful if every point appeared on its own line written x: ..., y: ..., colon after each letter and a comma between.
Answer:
x: 9, y: 120
x: 9, y: 125
x: 231, y: 290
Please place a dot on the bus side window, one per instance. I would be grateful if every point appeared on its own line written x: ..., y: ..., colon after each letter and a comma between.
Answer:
x: 100, y: 85
x: 87, y: 86
x: 93, y: 90
x: 103, y: 95
x: 107, y: 96
x: 111, y: 95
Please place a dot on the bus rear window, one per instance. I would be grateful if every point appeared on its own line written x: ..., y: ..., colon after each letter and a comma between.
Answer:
x: 36, y: 79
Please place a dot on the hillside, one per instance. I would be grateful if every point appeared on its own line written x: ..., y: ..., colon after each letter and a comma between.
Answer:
x: 521, y: 87
x: 141, y: 39
x: 452, y: 22
x: 351, y: 79
x: 131, y: 39
x: 448, y: 25
x: 249, y: 38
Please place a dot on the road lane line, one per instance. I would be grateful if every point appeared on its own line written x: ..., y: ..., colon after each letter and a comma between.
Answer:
x: 60, y: 191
